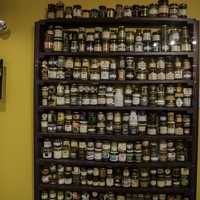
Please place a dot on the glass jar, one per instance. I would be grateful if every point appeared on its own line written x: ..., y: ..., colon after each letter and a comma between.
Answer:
x: 94, y: 70
x: 156, y: 41
x: 102, y: 11
x: 49, y: 39
x: 119, y: 11
x: 164, y: 38
x: 144, y: 178
x: 144, y: 95
x: 161, y: 68
x: 122, y: 151
x: 77, y: 11
x: 127, y: 11
x: 51, y: 12
x: 145, y: 151
x: 68, y: 12
x: 113, y: 45
x: 135, y: 178
x: 152, y: 70
x: 113, y: 71
x: 141, y: 68
x: 163, y: 8
x: 173, y: 10
x: 58, y: 44
x: 174, y: 40
x: 154, y: 152
x: 126, y: 179
x: 152, y: 95
x: 163, y: 124
x: 153, y: 10
x: 182, y: 11
x: 144, y: 11
x: 178, y: 71
x: 110, y: 13
x: 169, y: 71
x: 60, y: 10
x: 185, y: 40
x: 121, y: 69
x: 187, y: 72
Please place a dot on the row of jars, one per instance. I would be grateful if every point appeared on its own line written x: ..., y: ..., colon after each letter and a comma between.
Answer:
x: 161, y: 177
x: 160, y: 9
x: 121, y: 39
x: 128, y: 68
x: 106, y: 95
x: 67, y: 195
x: 132, y: 122
x: 139, y: 151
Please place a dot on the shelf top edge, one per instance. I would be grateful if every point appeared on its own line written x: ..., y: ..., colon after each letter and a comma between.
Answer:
x: 114, y: 54
x: 126, y: 19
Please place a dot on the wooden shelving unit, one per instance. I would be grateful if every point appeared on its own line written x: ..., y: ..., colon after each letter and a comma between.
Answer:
x: 40, y: 28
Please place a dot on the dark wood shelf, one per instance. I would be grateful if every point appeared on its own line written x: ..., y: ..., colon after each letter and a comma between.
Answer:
x: 114, y: 54
x: 125, y: 108
x: 115, y: 137
x: 140, y: 22
x: 126, y: 21
x: 109, y: 164
x: 80, y: 188
x: 115, y: 82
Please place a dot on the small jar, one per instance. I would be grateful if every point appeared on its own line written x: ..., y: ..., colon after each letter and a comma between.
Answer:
x: 113, y: 153
x: 156, y: 42
x: 126, y: 179
x: 77, y: 11
x: 119, y: 11
x: 182, y: 11
x: 122, y: 151
x: 135, y: 178
x: 60, y: 12
x: 160, y: 178
x: 141, y: 69
x: 110, y: 13
x: 174, y: 40
x: 102, y: 11
x: 163, y: 8
x: 173, y: 10
x: 152, y: 70
x: 51, y: 11
x: 153, y: 10
x: 109, y: 178
x: 129, y: 152
x: 57, y: 149
x: 118, y: 98
x: 68, y: 12
x: 127, y: 11
x: 144, y: 178
x: 58, y: 44
x: 49, y: 39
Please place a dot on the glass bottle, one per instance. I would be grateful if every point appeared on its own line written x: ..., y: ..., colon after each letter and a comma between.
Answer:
x: 164, y: 38
x: 49, y: 39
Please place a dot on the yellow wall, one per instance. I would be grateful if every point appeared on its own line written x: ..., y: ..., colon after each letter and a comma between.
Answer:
x: 16, y: 113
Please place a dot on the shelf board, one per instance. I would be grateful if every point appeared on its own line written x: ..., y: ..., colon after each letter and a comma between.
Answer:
x: 114, y: 54
x: 78, y: 188
x: 114, y: 164
x: 115, y: 137
x: 125, y: 108
x: 116, y: 82
x: 125, y: 21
